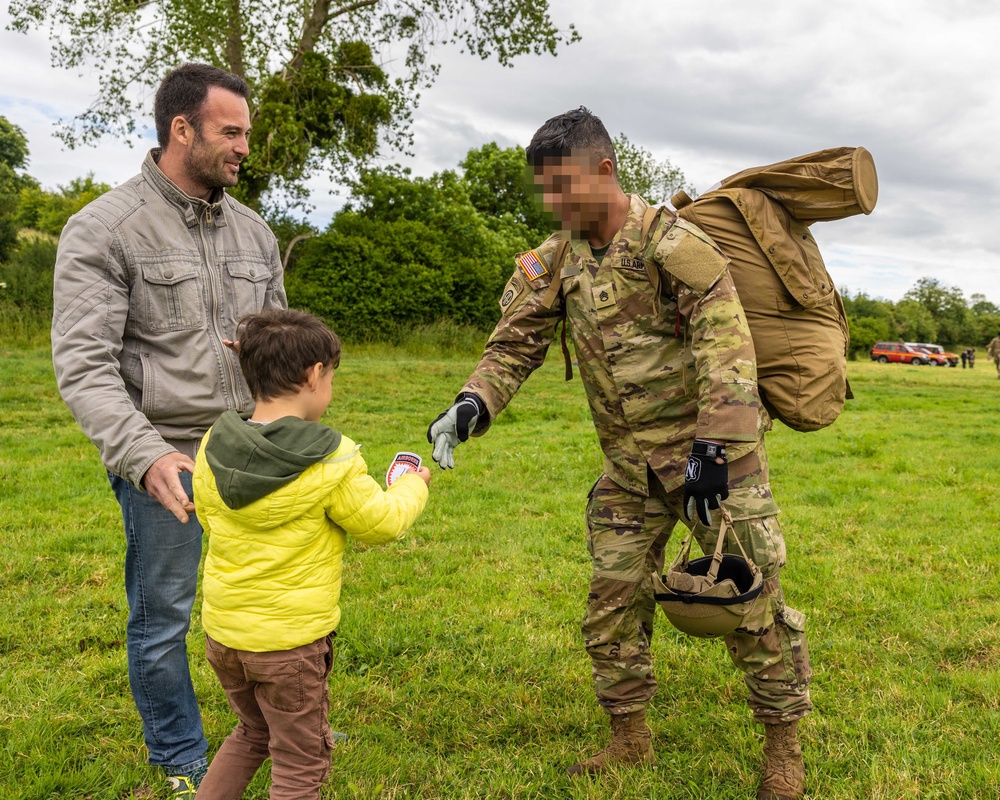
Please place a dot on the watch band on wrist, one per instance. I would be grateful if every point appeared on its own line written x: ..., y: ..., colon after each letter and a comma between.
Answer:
x: 708, y: 449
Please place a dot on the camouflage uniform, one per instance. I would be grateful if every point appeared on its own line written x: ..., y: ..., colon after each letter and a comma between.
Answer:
x: 993, y: 351
x: 663, y: 361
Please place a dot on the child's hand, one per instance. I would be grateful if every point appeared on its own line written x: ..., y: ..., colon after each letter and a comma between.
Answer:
x: 424, y: 474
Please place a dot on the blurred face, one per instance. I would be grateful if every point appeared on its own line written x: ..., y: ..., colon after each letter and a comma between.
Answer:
x: 574, y: 190
x: 221, y: 143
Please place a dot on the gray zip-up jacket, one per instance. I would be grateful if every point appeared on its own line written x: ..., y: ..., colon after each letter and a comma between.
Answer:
x: 148, y: 282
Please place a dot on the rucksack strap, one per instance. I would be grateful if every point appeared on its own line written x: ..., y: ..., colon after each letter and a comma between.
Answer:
x: 552, y: 294
x: 549, y: 300
x: 649, y: 216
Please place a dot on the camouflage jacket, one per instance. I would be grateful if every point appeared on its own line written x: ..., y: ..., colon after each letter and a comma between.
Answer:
x: 664, y: 360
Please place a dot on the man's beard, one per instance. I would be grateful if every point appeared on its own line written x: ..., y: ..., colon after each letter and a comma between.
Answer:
x: 205, y: 168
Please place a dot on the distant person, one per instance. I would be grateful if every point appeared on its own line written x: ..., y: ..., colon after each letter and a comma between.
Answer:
x: 972, y: 357
x: 278, y: 493
x: 669, y: 370
x: 150, y: 278
x: 993, y: 351
x: 965, y: 358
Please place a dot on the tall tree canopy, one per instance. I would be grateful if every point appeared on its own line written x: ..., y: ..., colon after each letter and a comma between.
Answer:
x: 330, y: 79
x: 13, y: 157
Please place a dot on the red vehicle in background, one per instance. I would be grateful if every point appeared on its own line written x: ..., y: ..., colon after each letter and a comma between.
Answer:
x: 937, y: 354
x: 899, y: 352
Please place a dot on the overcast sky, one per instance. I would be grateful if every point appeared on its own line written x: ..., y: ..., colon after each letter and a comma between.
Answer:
x: 715, y: 86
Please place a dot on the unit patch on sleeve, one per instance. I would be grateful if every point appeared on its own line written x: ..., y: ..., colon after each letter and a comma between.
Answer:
x: 513, y: 294
x: 531, y: 265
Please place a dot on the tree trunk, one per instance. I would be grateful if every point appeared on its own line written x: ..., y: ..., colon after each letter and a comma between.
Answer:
x: 234, y: 40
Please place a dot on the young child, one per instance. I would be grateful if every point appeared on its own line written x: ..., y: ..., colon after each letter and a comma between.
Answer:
x: 277, y: 494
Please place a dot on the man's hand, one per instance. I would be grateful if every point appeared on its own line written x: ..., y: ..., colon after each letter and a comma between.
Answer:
x: 706, y: 480
x: 162, y: 483
x: 454, y: 426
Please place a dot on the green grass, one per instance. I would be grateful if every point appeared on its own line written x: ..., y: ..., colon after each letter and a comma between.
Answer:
x: 459, y: 669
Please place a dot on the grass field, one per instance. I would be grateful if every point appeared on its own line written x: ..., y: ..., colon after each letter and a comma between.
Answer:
x: 459, y: 668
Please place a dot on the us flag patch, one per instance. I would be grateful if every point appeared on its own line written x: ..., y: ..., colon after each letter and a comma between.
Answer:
x: 531, y: 265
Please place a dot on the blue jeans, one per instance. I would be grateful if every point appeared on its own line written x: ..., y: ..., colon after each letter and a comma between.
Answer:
x: 161, y: 577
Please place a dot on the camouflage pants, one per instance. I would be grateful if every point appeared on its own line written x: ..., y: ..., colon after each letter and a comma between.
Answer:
x: 627, y: 535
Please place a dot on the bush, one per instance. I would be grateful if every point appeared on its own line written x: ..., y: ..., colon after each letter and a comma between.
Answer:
x: 48, y: 211
x: 374, y: 280
x: 27, y: 277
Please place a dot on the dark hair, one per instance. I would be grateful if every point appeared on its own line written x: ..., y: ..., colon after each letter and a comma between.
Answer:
x: 183, y: 91
x: 574, y: 130
x: 277, y: 347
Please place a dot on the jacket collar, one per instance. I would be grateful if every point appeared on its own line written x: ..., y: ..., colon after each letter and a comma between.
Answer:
x: 191, y: 208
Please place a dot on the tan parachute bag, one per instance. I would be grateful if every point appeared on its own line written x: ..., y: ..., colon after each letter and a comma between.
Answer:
x: 759, y: 218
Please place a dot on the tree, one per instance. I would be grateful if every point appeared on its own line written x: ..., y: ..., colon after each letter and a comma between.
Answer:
x: 914, y: 322
x: 411, y: 251
x: 869, y: 320
x: 978, y: 304
x: 331, y: 81
x: 948, y: 308
x: 13, y: 157
x: 496, y: 180
x: 640, y: 173
x: 48, y: 211
x: 985, y: 318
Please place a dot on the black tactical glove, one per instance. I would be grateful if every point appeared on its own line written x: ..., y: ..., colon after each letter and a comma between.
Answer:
x: 705, y: 480
x: 454, y: 426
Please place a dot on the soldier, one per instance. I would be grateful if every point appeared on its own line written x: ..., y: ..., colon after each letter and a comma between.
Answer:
x: 993, y: 351
x: 669, y: 370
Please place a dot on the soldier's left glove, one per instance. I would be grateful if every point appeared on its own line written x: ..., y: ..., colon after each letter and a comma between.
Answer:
x: 453, y: 427
x: 706, y: 482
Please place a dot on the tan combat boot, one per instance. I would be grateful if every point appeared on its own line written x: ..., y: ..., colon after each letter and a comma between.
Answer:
x: 784, y: 772
x: 631, y: 743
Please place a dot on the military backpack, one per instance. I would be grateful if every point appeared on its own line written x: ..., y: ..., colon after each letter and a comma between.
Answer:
x: 760, y: 219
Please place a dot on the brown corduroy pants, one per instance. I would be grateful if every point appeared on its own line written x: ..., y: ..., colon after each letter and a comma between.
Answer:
x: 282, y: 702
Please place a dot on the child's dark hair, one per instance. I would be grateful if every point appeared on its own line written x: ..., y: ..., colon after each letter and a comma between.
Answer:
x: 277, y: 347
x: 575, y: 130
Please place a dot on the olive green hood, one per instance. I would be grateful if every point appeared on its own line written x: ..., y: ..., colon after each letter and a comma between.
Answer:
x: 250, y: 460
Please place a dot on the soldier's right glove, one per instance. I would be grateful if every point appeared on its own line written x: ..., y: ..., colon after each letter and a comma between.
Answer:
x: 453, y: 427
x: 706, y: 482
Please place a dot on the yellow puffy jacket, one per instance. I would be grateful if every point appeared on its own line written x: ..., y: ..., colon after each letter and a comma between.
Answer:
x: 273, y: 570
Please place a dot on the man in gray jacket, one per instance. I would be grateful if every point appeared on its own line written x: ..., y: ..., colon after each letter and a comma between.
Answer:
x: 150, y: 281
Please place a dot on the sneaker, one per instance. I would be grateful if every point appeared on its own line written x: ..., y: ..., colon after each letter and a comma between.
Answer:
x: 185, y: 787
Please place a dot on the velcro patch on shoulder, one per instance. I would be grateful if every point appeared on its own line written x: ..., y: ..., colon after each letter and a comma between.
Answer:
x: 690, y: 256
x: 531, y: 265
x: 514, y: 294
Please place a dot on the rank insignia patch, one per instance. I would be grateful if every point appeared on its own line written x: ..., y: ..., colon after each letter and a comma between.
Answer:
x: 531, y: 265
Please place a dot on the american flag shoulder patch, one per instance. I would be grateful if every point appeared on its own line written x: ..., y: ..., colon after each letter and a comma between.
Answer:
x: 531, y: 265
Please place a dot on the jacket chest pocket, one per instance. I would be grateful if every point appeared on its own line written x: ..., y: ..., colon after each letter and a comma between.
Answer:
x: 247, y: 276
x: 172, y: 294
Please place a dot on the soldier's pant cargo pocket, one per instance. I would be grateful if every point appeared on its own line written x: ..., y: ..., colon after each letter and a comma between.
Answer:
x: 770, y: 645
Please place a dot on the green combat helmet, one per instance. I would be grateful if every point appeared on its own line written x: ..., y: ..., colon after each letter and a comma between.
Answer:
x: 709, y: 596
